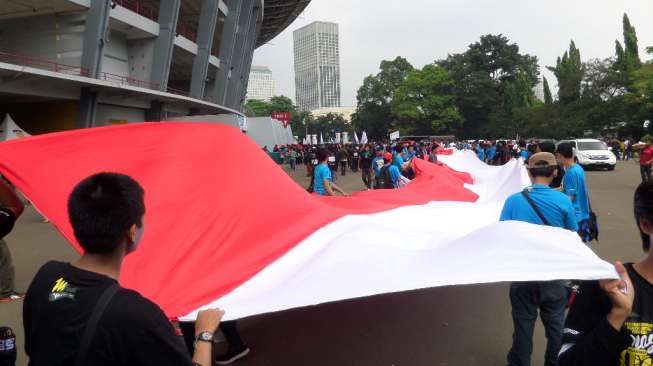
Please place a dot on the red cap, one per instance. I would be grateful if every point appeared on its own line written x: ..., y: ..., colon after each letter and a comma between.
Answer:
x: 387, y: 156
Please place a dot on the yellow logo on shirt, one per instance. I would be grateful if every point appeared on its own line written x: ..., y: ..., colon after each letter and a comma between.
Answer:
x: 59, y: 285
x: 62, y: 290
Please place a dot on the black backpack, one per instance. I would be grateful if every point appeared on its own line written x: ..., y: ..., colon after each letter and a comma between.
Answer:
x: 387, y: 179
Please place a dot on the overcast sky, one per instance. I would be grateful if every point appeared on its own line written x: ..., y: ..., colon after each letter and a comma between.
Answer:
x: 425, y: 30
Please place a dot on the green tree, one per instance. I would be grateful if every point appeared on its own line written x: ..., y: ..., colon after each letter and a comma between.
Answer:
x: 492, y: 78
x: 548, y: 98
x: 256, y: 108
x: 425, y: 102
x: 329, y: 124
x: 628, y: 57
x: 373, y: 112
x: 569, y: 71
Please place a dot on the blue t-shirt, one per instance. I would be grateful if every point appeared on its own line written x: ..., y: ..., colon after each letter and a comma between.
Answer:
x: 322, y: 172
x: 408, y: 155
x: 377, y: 164
x: 492, y: 152
x: 397, y: 161
x: 524, y: 154
x: 394, y: 175
x: 573, y: 184
x: 554, y: 205
x: 480, y: 153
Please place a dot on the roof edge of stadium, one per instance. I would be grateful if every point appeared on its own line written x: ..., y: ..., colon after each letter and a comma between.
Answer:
x: 277, y: 16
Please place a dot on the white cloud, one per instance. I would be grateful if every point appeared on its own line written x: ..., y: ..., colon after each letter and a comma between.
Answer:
x: 425, y: 30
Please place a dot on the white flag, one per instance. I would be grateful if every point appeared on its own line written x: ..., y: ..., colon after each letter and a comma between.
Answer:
x: 356, y: 138
x: 364, y: 138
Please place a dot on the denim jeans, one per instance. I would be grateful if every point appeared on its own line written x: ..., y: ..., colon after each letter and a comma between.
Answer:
x: 526, y: 297
x: 645, y: 171
x: 6, y: 270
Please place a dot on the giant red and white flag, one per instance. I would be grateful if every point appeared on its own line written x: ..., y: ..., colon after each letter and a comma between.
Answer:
x: 240, y: 234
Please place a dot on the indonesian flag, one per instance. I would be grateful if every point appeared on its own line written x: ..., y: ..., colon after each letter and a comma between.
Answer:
x: 243, y: 236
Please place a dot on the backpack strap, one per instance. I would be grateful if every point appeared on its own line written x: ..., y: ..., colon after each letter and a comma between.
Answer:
x: 534, y: 206
x: 93, y: 321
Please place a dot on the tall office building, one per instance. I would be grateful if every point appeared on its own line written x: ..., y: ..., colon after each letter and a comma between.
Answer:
x: 317, y: 66
x: 261, y: 84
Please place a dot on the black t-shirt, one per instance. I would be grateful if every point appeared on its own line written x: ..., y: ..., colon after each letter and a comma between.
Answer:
x: 131, y: 331
x: 366, y: 159
x: 590, y: 340
x: 7, y: 221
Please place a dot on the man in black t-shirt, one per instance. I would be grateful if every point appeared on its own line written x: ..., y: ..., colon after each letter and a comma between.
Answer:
x: 366, y: 167
x: 11, y: 207
x: 611, y: 322
x: 106, y: 212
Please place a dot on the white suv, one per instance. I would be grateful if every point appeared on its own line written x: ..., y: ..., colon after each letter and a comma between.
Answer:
x: 593, y: 153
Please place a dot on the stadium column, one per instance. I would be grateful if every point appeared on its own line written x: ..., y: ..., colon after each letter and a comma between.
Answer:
x: 165, y: 42
x: 245, y: 17
x: 205, y: 32
x: 249, y: 53
x: 227, y: 44
x: 95, y: 38
x: 163, y: 50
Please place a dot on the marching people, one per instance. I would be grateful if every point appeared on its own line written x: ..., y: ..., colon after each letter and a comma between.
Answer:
x: 610, y: 323
x: 77, y: 313
x: 645, y: 157
x: 323, y: 184
x: 367, y: 173
x: 538, y: 204
x: 342, y: 156
x: 378, y: 163
x: 574, y: 186
x: 390, y: 174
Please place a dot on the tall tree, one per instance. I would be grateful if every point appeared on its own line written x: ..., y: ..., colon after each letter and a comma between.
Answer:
x: 569, y: 71
x: 425, y: 102
x: 548, y: 98
x: 373, y: 113
x: 491, y: 76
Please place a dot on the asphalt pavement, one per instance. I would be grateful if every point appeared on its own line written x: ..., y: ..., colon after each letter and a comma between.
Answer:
x: 459, y: 325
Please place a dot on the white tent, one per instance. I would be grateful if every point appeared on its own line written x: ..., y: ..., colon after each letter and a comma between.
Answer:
x: 10, y: 130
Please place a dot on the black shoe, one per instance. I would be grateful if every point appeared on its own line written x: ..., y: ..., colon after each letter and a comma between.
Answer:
x: 232, y: 355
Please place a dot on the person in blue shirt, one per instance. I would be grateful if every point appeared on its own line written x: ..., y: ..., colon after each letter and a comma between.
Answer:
x: 390, y: 174
x: 377, y: 164
x: 549, y: 296
x: 398, y: 158
x: 322, y: 177
x: 491, y: 153
x: 480, y: 152
x: 409, y: 154
x: 573, y: 185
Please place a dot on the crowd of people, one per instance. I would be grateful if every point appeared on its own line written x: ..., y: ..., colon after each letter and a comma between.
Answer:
x: 77, y: 313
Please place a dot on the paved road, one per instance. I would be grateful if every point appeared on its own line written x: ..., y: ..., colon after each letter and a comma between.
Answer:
x: 462, y: 325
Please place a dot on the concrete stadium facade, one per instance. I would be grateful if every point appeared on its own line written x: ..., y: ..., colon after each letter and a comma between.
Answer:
x: 82, y: 63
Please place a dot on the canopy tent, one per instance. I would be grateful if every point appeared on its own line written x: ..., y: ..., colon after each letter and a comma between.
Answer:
x: 9, y: 130
x: 266, y: 131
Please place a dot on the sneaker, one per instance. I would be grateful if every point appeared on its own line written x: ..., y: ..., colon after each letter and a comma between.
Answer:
x: 14, y: 296
x: 232, y: 355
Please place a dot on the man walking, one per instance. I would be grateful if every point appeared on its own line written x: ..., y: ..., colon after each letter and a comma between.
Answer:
x: 11, y: 207
x: 574, y: 186
x: 366, y: 167
x: 541, y: 205
x: 645, y: 159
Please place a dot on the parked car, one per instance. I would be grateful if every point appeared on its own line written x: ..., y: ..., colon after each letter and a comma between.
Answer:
x: 592, y: 153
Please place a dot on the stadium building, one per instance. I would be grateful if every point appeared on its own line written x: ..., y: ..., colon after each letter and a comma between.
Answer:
x: 81, y: 63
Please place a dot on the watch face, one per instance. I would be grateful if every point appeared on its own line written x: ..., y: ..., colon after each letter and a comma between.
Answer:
x: 206, y: 336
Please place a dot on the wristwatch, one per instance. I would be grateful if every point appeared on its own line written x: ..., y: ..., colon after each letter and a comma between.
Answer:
x: 203, y: 337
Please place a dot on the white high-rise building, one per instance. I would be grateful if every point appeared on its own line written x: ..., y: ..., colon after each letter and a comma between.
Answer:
x: 317, y: 66
x: 261, y: 83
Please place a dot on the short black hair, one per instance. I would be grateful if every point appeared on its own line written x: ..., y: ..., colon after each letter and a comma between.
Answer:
x: 565, y: 149
x: 547, y: 146
x: 322, y: 155
x: 545, y: 171
x: 102, y: 208
x: 643, y: 208
x: 399, y: 148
